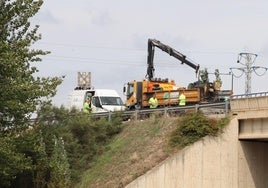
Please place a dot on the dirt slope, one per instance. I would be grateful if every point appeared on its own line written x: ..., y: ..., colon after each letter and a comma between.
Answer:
x: 141, y: 146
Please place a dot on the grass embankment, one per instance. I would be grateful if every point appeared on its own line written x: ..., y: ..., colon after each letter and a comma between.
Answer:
x: 142, y: 145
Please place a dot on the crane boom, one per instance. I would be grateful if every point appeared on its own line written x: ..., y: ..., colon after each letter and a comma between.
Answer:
x: 152, y: 43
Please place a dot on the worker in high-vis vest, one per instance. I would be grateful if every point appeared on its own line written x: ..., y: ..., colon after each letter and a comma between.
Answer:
x: 182, y: 99
x: 87, y: 106
x: 153, y: 102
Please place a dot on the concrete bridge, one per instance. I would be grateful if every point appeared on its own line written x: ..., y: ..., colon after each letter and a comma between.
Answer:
x: 238, y: 158
x: 252, y: 115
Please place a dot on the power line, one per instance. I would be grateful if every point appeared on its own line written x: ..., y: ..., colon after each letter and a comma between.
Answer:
x: 139, y: 63
x: 72, y: 45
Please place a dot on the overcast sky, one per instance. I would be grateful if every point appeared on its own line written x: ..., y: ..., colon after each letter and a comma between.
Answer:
x: 109, y: 39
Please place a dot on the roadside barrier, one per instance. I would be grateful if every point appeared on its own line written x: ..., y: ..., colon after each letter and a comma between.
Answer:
x: 214, y: 108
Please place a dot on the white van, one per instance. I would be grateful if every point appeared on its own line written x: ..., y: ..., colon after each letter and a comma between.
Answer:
x: 102, y: 100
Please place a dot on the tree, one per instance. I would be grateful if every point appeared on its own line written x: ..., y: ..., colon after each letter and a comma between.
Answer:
x: 21, y: 92
x: 60, y: 173
x: 11, y: 161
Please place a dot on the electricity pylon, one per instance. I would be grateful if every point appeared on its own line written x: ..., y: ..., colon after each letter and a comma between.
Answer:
x: 247, y: 59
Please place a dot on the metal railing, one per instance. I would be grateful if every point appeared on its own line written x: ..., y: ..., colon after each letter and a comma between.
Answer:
x: 214, y: 108
x: 259, y: 94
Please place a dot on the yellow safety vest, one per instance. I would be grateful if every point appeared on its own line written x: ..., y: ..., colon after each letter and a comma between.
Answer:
x: 87, y: 108
x: 182, y: 100
x: 153, y: 102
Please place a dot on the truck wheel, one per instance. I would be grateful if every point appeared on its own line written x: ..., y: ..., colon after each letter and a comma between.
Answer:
x: 137, y: 106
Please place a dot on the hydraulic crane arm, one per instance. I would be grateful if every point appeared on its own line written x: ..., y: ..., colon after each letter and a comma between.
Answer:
x: 172, y: 52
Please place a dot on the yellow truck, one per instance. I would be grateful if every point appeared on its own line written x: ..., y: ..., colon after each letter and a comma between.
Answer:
x: 138, y: 93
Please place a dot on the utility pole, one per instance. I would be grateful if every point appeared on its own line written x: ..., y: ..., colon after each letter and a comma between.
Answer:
x: 247, y: 59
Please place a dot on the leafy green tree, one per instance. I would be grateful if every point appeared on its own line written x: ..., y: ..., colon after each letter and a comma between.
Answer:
x: 11, y: 162
x: 41, y: 166
x: 60, y: 173
x: 31, y: 144
x: 21, y: 92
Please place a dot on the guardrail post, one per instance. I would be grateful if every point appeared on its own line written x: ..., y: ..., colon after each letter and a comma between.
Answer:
x: 136, y: 115
x: 165, y: 112
x: 227, y: 102
x: 196, y: 107
x: 109, y: 116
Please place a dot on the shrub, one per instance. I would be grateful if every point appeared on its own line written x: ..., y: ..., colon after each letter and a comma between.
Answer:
x: 194, y: 126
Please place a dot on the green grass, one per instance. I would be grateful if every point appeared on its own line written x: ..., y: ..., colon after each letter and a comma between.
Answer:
x: 96, y: 171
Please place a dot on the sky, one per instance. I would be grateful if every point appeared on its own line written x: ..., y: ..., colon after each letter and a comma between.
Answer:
x: 109, y: 39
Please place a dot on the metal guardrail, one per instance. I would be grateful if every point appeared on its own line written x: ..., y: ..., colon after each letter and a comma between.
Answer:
x: 214, y: 108
x: 259, y: 94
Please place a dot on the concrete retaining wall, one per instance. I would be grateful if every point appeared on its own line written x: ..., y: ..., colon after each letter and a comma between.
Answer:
x: 222, y: 162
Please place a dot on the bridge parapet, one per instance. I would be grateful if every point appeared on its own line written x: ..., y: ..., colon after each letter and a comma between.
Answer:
x: 250, y: 106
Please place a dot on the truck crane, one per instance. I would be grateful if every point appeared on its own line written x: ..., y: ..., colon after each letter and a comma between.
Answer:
x: 138, y: 93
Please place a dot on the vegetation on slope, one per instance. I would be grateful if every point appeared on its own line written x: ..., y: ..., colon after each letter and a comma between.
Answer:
x: 195, y: 126
x: 142, y: 145
x: 138, y: 148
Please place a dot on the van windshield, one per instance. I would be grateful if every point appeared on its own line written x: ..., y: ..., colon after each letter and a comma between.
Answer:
x: 111, y: 101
